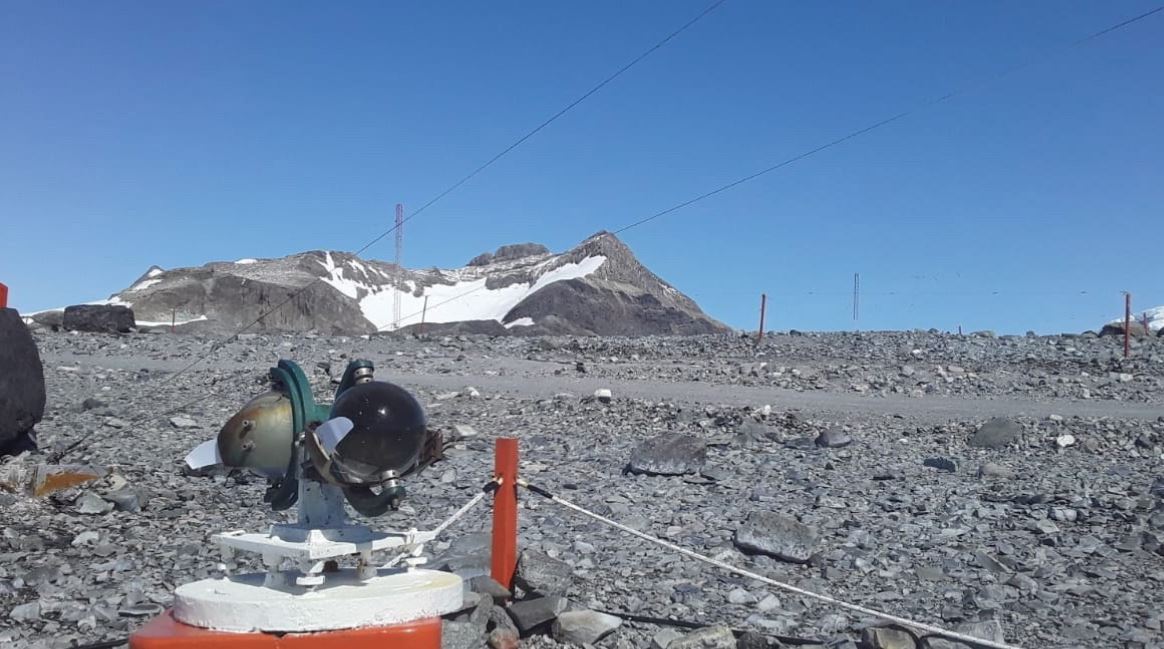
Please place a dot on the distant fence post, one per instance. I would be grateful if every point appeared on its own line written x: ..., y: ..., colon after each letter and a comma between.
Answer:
x: 1127, y: 324
x: 3, y: 295
x: 763, y: 308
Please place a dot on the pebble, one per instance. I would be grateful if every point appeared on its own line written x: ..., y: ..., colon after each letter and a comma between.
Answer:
x: 90, y: 503
x: 181, y: 421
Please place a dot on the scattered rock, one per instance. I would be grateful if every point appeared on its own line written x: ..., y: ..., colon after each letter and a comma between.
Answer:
x: 503, y: 638
x: 90, y: 503
x: 833, y: 438
x: 777, y: 535
x: 712, y: 637
x: 87, y: 537
x: 92, y: 403
x: 127, y: 499
x: 987, y: 630
x: 886, y: 638
x: 603, y: 395
x: 668, y: 454
x: 182, y: 421
x: 486, y: 585
x: 664, y: 637
x: 29, y: 612
x: 753, y: 640
x: 1063, y: 441
x: 541, y: 574
x: 996, y: 433
x: 941, y: 464
x: 532, y: 614
x: 461, y: 635
x: 584, y: 627
x: 992, y: 470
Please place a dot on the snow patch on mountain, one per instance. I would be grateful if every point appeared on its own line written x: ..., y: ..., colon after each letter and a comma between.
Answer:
x: 144, y: 284
x: 467, y: 298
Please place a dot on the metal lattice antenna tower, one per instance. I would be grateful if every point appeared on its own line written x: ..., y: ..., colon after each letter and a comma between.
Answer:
x: 399, y: 272
x: 856, y: 296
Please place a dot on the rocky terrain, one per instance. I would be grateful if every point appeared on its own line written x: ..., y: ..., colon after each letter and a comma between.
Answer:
x: 595, y: 288
x: 1009, y: 485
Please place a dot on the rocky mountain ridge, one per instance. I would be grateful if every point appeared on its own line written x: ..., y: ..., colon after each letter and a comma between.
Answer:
x: 595, y: 288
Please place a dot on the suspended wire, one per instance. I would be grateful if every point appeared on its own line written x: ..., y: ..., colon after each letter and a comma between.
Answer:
x: 601, y: 84
x: 854, y: 134
x: 862, y: 131
x: 450, y: 189
x: 453, y: 187
x: 889, y: 120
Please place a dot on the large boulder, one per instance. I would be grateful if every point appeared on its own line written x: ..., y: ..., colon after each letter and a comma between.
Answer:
x: 668, y: 454
x: 1136, y: 330
x: 996, y: 433
x: 21, y: 383
x: 99, y: 318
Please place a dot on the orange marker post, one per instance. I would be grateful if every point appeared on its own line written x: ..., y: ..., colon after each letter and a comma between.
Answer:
x: 504, y: 555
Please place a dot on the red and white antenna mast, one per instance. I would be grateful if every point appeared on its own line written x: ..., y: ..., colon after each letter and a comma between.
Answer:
x: 399, y: 270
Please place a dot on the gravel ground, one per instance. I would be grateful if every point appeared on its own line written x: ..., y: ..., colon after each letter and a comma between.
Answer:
x: 1056, y: 531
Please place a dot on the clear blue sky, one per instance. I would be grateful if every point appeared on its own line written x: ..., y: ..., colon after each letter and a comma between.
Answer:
x: 139, y: 133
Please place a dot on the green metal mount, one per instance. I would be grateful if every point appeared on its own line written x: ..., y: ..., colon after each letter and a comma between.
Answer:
x: 289, y: 378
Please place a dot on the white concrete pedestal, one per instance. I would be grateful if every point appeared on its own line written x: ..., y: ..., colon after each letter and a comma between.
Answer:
x: 244, y: 603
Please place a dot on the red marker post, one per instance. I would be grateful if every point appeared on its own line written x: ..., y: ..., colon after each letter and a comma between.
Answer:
x: 504, y: 555
x: 3, y: 295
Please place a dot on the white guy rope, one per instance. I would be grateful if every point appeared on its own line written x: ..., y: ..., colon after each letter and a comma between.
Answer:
x: 954, y: 635
x: 440, y: 528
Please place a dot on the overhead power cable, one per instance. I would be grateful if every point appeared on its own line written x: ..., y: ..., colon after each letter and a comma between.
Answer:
x: 450, y: 189
x: 887, y: 121
x: 861, y: 131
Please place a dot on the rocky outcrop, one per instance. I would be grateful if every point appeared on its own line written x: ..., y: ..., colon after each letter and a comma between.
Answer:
x: 99, y: 318
x: 596, y: 288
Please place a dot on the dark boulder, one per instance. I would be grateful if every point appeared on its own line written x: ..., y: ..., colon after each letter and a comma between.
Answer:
x: 22, y: 393
x: 1137, y: 329
x: 99, y: 318
x: 668, y: 454
x: 996, y: 433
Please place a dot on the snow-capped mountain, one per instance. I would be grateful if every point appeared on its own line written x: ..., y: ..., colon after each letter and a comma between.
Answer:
x: 597, y: 287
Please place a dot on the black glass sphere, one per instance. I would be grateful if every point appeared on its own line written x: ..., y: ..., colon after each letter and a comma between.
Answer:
x: 387, y: 435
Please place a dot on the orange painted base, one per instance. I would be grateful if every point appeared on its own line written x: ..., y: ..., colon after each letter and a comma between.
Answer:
x: 164, y: 632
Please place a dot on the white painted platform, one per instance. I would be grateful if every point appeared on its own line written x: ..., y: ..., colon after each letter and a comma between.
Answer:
x: 242, y: 603
x: 299, y: 542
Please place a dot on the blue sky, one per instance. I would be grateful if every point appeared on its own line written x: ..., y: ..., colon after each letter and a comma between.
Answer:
x: 139, y: 133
